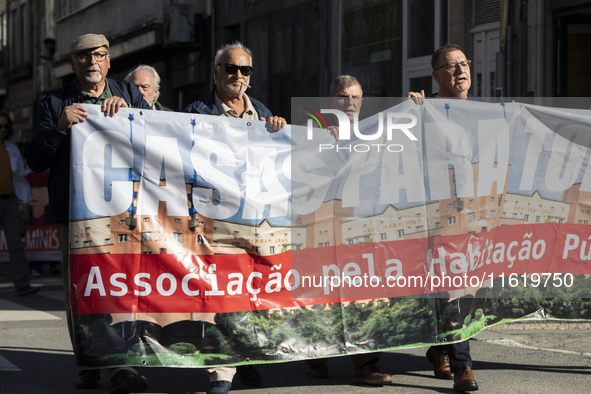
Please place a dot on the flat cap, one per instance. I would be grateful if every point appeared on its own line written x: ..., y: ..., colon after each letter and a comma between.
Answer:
x: 88, y: 41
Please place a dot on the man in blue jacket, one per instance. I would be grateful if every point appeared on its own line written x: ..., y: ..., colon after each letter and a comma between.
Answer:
x: 232, y: 67
x: 50, y: 148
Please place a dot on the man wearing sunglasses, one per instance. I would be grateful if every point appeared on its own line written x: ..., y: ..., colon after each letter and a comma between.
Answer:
x: 451, y: 71
x: 50, y: 148
x: 232, y: 68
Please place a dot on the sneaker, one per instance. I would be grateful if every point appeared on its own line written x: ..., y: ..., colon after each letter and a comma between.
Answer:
x: 219, y: 387
x: 370, y: 374
x: 27, y: 290
x: 88, y: 379
x: 125, y: 382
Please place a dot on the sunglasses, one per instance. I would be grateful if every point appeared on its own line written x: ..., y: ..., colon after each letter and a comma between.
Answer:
x: 232, y: 69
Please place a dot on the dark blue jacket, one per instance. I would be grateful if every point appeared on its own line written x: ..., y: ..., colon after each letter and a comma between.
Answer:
x: 206, y: 106
x: 51, y: 149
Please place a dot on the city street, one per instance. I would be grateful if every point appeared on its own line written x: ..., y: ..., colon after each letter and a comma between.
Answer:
x: 35, y: 357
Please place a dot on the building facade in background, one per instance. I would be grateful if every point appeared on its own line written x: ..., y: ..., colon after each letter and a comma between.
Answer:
x: 519, y: 48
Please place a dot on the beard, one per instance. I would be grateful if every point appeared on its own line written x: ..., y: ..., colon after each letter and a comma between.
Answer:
x: 95, y: 78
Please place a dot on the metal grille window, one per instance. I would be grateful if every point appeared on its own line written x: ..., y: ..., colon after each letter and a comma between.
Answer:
x: 486, y: 11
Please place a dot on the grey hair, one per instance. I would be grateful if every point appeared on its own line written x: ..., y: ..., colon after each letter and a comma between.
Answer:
x: 344, y: 80
x: 152, y: 71
x: 224, y: 48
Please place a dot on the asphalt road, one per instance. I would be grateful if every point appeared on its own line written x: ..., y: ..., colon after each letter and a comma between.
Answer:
x: 35, y: 357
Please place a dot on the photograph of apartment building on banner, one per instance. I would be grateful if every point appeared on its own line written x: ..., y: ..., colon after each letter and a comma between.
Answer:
x: 330, y: 225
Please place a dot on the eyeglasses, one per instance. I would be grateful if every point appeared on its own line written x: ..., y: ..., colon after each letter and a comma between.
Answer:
x: 451, y: 66
x: 232, y: 69
x: 98, y: 56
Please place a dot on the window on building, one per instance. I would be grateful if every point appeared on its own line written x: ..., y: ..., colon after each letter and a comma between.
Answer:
x: 327, y: 244
x: 350, y: 242
x: 146, y: 219
x: 493, y: 214
x: 437, y: 224
x: 177, y: 237
x: 382, y: 236
x: 450, y: 205
x: 87, y: 243
x: 200, y: 239
x: 147, y: 236
x: 421, y: 28
x: 298, y: 247
x: 400, y: 233
x: 451, y: 220
x: 108, y: 226
x: 526, y: 217
x: 537, y: 219
x: 121, y: 238
x: 320, y: 244
x: 162, y: 250
x: 585, y: 222
x: 272, y: 249
x: 107, y: 241
x: 492, y: 198
x: 122, y: 221
x: 419, y: 214
x: 419, y: 228
x: 236, y: 232
x: 579, y: 222
x: 177, y: 220
x: 471, y: 201
x: 514, y: 216
x: 87, y: 229
x: 471, y: 216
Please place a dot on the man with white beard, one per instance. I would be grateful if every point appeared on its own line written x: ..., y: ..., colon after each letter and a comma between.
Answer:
x: 50, y: 149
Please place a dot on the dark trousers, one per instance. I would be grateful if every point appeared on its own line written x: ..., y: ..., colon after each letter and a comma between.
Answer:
x: 11, y: 221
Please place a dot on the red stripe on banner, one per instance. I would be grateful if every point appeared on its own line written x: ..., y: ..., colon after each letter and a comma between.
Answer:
x: 169, y: 283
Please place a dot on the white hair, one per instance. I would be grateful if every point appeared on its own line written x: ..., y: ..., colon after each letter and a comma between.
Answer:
x: 152, y: 71
x: 224, y: 48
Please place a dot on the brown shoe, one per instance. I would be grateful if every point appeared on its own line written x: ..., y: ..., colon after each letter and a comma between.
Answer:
x: 440, y: 361
x: 370, y: 374
x: 464, y: 380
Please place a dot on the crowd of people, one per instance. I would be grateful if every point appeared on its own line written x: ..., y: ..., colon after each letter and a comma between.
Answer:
x: 232, y: 69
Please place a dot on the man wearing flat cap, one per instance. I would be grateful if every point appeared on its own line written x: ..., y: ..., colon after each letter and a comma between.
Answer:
x: 50, y: 149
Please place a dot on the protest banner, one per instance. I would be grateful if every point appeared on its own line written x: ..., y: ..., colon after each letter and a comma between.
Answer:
x: 198, y: 240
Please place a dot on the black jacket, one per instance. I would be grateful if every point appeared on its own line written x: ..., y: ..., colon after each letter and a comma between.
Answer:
x: 51, y: 149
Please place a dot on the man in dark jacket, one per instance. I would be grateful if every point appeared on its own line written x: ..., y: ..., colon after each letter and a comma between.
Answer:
x: 232, y: 67
x: 50, y: 148
x: 451, y: 71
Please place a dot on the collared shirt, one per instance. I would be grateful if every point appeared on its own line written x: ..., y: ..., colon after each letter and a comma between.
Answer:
x: 6, y: 186
x: 88, y: 98
x: 228, y: 112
